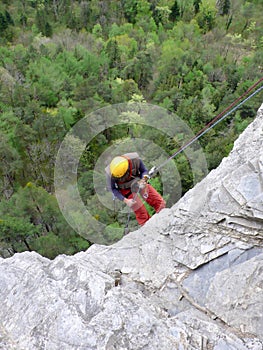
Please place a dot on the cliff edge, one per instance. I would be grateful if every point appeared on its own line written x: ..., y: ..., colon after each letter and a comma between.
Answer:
x: 191, y: 278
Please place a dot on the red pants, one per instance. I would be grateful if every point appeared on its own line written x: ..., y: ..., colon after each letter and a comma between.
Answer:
x: 152, y: 197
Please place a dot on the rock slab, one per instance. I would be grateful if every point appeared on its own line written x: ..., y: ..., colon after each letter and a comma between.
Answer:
x: 191, y: 278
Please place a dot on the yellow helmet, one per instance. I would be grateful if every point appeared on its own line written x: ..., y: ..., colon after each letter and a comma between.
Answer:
x: 119, y: 166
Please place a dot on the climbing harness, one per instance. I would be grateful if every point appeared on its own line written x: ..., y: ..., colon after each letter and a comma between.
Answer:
x: 221, y: 116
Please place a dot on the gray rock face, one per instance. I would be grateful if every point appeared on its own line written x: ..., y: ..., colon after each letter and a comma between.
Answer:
x: 191, y: 278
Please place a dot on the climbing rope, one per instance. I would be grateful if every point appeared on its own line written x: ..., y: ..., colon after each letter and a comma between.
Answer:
x: 126, y: 228
x: 217, y: 119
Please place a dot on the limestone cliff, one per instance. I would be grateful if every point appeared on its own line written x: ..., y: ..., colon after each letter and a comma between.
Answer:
x: 191, y: 278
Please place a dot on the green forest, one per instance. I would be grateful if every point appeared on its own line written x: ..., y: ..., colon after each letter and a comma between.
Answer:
x: 63, y: 59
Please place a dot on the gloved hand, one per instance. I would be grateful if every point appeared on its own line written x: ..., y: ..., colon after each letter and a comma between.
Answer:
x: 129, y: 202
x: 142, y: 184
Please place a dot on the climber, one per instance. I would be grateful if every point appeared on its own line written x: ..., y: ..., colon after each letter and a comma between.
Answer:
x: 127, y: 177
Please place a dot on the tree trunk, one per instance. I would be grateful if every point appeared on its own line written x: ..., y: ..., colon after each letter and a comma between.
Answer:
x: 27, y: 245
